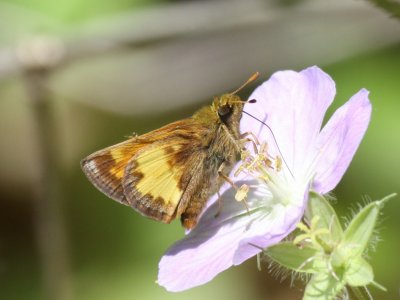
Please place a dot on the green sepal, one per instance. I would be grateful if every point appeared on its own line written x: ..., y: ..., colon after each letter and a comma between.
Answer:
x: 360, y: 229
x: 359, y: 272
x: 303, y: 260
x: 323, y: 286
x: 319, y: 206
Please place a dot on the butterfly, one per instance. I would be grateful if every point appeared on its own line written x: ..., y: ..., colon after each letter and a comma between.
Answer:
x: 172, y: 171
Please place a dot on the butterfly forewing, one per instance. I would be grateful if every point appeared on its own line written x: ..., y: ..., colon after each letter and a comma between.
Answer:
x: 105, y: 168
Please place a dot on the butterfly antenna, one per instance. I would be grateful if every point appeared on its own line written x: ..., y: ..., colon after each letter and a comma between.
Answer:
x: 251, y: 79
x: 273, y: 136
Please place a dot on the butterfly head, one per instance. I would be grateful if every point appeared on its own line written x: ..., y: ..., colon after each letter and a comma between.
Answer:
x: 228, y: 108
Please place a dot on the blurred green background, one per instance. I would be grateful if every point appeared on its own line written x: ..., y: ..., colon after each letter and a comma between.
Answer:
x: 76, y: 76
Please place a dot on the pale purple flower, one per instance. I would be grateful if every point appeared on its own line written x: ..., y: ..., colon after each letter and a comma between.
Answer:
x: 293, y: 104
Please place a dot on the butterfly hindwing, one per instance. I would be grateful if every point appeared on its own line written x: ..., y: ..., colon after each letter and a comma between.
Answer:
x: 158, y: 176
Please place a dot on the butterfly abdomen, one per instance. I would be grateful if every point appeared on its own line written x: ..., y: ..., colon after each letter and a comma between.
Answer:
x: 221, y: 156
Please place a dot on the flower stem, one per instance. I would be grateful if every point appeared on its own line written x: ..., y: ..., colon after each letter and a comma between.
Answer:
x: 327, y: 248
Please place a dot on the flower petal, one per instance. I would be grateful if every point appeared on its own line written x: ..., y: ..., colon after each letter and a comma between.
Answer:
x: 278, y: 227
x: 217, y: 243
x: 339, y: 140
x: 293, y: 105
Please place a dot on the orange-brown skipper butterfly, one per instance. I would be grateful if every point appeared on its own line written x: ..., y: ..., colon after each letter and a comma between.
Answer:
x: 172, y: 171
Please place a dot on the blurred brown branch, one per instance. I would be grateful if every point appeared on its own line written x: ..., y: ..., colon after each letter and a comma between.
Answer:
x: 215, y: 44
x: 50, y: 229
x: 131, y: 30
x: 174, y: 22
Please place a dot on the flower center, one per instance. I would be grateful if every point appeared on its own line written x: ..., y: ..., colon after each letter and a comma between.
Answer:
x: 273, y: 184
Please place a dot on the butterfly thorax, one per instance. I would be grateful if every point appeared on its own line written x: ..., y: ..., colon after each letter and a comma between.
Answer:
x: 220, y: 149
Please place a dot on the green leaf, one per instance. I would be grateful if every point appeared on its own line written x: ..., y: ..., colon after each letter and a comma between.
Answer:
x: 359, y: 273
x: 359, y: 231
x: 305, y: 259
x: 319, y: 206
x: 323, y: 286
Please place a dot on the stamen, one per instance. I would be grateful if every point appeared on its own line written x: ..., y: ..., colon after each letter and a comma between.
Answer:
x: 278, y: 163
x: 276, y: 142
x: 241, y: 193
x: 265, y: 169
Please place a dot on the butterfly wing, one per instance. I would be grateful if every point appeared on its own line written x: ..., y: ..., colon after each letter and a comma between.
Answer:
x: 149, y: 172
x: 157, y: 177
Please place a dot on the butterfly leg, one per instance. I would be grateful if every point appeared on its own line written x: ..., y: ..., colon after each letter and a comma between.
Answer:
x: 219, y: 204
x: 222, y: 177
x: 253, y: 139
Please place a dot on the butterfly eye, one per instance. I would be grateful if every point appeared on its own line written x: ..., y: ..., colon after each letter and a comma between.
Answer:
x: 224, y: 111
